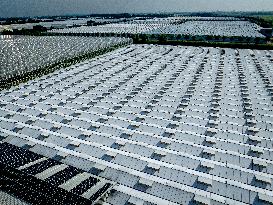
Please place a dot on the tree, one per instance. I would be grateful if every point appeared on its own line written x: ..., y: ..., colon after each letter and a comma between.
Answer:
x: 162, y: 38
x: 178, y: 37
x: 193, y: 38
x: 208, y: 38
x: 144, y: 38
x: 7, y: 32
x: 187, y: 37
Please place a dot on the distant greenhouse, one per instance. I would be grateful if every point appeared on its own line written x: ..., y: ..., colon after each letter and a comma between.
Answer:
x: 213, y: 28
x: 22, y: 55
x: 118, y: 28
x: 195, y: 26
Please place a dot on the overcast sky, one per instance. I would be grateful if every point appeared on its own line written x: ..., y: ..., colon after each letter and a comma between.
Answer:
x: 12, y: 8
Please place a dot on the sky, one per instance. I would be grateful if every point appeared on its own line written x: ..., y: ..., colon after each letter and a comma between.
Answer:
x: 19, y: 8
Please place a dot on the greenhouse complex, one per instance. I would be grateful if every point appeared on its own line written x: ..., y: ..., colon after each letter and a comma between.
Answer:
x: 105, y: 120
x: 48, y: 53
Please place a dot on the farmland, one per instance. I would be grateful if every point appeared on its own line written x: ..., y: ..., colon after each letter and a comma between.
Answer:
x: 170, y: 124
x: 268, y: 19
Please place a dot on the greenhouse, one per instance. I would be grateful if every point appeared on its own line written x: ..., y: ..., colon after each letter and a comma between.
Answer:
x: 26, y: 55
x: 161, y: 124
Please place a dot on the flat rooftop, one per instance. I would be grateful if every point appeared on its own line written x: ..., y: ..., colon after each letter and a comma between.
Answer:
x: 169, y: 124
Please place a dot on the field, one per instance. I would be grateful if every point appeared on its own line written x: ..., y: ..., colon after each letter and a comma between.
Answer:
x: 268, y: 19
x: 20, y: 55
x: 170, y: 124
